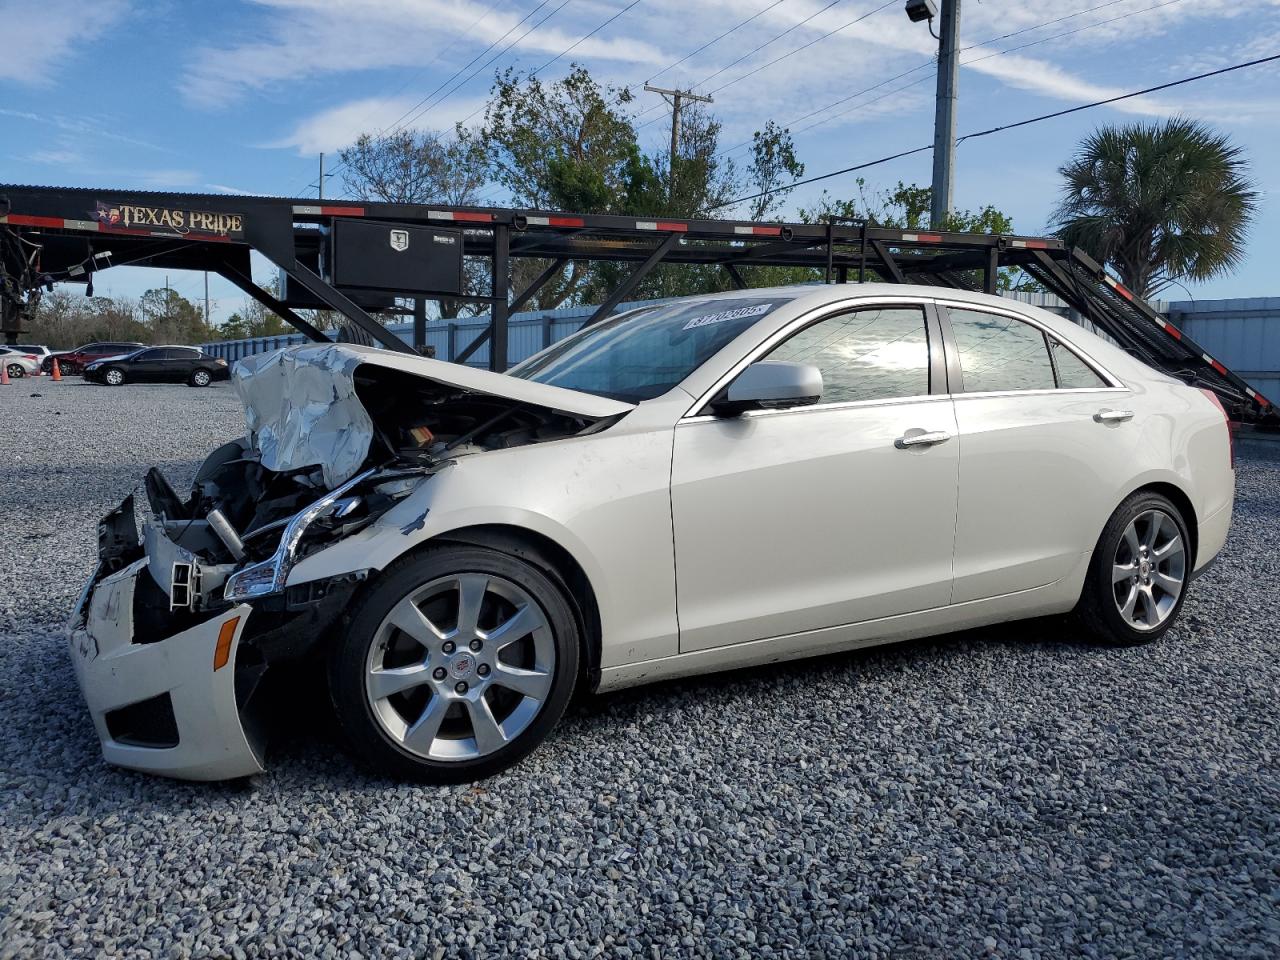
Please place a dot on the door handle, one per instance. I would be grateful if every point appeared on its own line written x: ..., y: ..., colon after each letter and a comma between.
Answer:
x: 1113, y: 416
x: 922, y: 439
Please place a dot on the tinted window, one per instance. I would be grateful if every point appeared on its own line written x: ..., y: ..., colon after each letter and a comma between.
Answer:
x: 645, y: 353
x: 1073, y: 373
x: 186, y: 353
x: 148, y: 355
x: 1000, y: 353
x: 874, y: 354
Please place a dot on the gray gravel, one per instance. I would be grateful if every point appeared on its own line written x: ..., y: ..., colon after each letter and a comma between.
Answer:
x: 1011, y: 792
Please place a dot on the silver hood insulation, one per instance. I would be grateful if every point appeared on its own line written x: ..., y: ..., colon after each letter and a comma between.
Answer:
x: 302, y: 410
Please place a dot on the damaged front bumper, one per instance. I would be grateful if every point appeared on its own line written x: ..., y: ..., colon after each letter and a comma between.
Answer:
x: 170, y: 661
x: 166, y: 706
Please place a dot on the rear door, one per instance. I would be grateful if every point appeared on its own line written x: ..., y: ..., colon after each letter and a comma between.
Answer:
x: 818, y: 516
x: 148, y: 366
x: 1033, y: 494
x: 182, y: 361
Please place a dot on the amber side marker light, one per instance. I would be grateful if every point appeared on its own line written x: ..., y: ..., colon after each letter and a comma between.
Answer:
x: 222, y: 652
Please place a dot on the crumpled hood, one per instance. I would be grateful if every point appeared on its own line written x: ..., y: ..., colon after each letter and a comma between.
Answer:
x: 302, y: 410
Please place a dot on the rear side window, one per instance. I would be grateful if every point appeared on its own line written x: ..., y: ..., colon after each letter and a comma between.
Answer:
x: 870, y: 354
x: 1000, y: 353
x: 1073, y: 373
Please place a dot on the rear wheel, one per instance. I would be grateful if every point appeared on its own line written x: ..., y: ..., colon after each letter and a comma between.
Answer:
x: 200, y: 378
x: 16, y: 371
x: 1138, y: 576
x: 455, y: 665
x: 113, y: 376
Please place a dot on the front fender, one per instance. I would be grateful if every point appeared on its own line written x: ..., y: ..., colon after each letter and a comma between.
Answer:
x: 605, y: 500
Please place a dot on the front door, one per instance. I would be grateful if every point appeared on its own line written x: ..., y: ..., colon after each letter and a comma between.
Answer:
x: 817, y: 516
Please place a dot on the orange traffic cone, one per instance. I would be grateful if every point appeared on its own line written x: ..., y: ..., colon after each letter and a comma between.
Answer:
x: 4, y: 374
x: 57, y: 374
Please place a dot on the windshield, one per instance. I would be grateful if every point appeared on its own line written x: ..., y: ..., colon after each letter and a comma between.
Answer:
x: 643, y: 354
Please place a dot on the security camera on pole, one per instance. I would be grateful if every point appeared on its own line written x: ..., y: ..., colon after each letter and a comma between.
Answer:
x: 944, y: 119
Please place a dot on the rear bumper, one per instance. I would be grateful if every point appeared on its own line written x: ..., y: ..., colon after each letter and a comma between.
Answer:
x: 159, y: 705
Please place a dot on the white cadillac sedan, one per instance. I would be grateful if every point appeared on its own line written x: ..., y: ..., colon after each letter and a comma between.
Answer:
x: 692, y: 486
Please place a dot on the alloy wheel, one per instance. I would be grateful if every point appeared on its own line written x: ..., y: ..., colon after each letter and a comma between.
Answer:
x: 200, y: 378
x: 16, y: 371
x: 1149, y: 570
x: 460, y: 667
x: 114, y: 377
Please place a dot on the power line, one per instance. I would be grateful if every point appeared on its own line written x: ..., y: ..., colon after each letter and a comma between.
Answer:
x: 753, y: 52
x: 466, y: 33
x: 467, y: 79
x: 792, y: 53
x: 737, y: 26
x: 973, y: 46
x: 409, y: 115
x: 1008, y: 126
x: 588, y: 36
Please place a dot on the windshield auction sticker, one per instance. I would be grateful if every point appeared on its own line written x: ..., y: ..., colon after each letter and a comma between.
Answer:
x: 735, y: 313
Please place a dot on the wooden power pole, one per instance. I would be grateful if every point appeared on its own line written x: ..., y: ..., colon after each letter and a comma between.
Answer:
x: 677, y: 99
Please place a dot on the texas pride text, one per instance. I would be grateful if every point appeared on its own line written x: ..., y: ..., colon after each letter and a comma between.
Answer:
x: 169, y: 220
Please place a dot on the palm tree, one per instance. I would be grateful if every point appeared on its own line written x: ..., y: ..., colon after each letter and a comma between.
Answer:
x: 1158, y: 202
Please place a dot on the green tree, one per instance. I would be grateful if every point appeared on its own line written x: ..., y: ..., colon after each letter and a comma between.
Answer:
x: 172, y: 318
x: 907, y: 207
x: 774, y: 162
x: 1158, y: 202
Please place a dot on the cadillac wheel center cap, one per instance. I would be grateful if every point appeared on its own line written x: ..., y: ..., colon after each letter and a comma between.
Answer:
x: 462, y: 666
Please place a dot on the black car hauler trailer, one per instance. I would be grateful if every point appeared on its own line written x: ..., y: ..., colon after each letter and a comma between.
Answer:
x: 357, y: 258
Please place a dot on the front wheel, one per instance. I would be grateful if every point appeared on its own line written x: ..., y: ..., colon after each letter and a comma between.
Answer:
x: 1138, y: 576
x: 455, y: 665
x: 200, y: 378
x: 113, y: 377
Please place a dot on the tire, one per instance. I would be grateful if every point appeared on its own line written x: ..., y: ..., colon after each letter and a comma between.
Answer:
x: 16, y: 371
x: 1156, y: 569
x: 113, y: 376
x: 417, y: 710
x: 200, y: 378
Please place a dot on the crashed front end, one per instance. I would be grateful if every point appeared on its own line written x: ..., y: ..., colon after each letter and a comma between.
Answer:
x: 176, y: 629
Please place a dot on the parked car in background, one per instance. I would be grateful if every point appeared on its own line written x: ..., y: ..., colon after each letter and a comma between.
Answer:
x: 74, y: 361
x: 39, y: 350
x: 163, y: 364
x: 18, y: 363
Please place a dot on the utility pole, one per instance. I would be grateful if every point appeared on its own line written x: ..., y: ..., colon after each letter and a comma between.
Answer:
x: 319, y: 184
x: 677, y: 98
x: 944, y: 122
x: 206, y: 298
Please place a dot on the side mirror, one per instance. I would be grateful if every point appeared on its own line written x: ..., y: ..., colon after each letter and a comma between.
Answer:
x: 767, y: 385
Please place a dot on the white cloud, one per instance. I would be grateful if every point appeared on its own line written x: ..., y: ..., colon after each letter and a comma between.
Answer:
x: 42, y: 35
x: 311, y: 38
x: 339, y: 126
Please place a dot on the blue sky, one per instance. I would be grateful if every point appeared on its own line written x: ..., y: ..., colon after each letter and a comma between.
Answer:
x: 243, y: 96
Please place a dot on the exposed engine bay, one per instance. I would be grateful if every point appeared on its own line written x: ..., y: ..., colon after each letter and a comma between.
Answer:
x: 326, y: 456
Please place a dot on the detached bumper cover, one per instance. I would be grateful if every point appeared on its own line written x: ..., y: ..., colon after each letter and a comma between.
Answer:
x: 128, y: 681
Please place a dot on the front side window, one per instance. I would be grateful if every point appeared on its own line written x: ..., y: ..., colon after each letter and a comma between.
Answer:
x: 874, y: 353
x: 1000, y: 353
x: 148, y: 355
x: 645, y: 353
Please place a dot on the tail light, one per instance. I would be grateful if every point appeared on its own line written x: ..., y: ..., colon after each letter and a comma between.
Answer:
x: 1231, y: 426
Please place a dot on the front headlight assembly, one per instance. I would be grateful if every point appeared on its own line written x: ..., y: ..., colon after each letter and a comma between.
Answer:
x: 269, y: 576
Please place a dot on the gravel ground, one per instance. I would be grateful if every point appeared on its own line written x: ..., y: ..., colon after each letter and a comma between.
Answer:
x: 1011, y: 792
